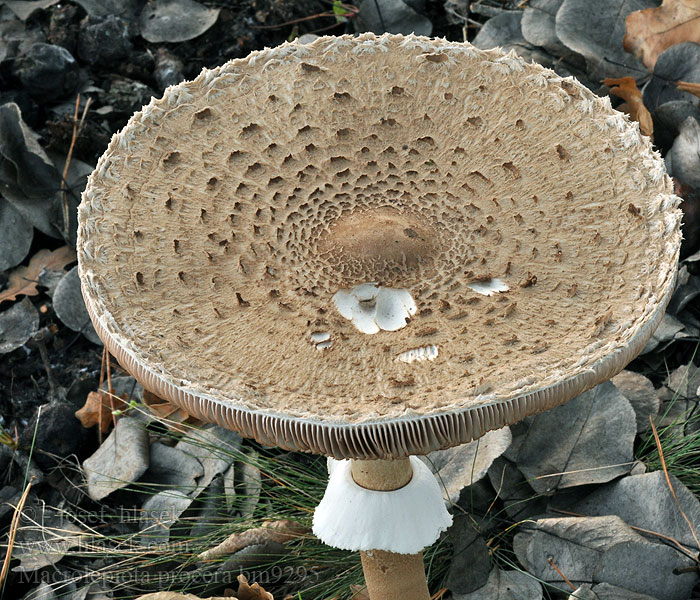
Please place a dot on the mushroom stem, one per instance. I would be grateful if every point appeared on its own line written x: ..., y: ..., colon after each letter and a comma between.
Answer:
x: 390, y: 575
x: 382, y: 475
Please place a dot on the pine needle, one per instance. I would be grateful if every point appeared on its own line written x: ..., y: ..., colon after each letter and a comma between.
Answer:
x: 668, y: 481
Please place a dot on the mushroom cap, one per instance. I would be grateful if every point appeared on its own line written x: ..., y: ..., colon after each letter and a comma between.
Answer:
x: 532, y: 225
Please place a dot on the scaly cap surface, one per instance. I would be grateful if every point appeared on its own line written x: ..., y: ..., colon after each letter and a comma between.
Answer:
x: 533, y: 227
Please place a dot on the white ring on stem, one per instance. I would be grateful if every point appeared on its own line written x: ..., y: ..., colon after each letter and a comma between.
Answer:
x: 404, y: 521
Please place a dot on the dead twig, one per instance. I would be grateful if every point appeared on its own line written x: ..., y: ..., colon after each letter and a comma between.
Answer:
x: 105, y: 367
x: 564, y: 577
x: 669, y: 539
x: 40, y: 338
x: 686, y: 551
x: 110, y: 389
x: 14, y: 526
x: 99, y: 391
x: 77, y: 126
x: 351, y: 12
x: 668, y: 481
x: 689, y: 86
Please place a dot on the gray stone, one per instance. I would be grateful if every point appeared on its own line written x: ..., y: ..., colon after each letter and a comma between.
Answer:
x: 47, y: 72
x: 641, y: 394
x: 645, y: 501
x: 172, y: 469
x: 685, y: 153
x: 248, y: 492
x: 590, y: 439
x: 55, y: 434
x: 125, y: 386
x: 43, y: 538
x: 680, y: 62
x: 126, y: 95
x: 668, y: 118
x: 459, y: 467
x: 506, y: 585
x: 127, y: 9
x: 17, y: 325
x: 24, y: 8
x: 393, y: 16
x: 583, y: 592
x: 520, y: 501
x: 175, y: 20
x: 504, y: 31
x: 9, y: 498
x: 6, y: 454
x: 29, y: 180
x: 120, y: 460
x: 669, y: 330
x: 70, y: 307
x: 16, y: 235
x: 471, y: 561
x: 212, y: 513
x: 687, y: 289
x: 214, y: 447
x: 159, y: 513
x: 605, y: 591
x: 229, y: 478
x: 104, y: 40
x: 683, y: 382
x: 677, y: 396
x: 168, y: 69
x: 43, y: 591
x: 591, y: 550
x: 595, y: 29
x: 538, y: 25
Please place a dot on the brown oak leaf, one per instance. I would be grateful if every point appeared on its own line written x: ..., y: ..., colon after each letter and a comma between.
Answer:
x: 251, y: 592
x: 174, y: 418
x: 626, y: 88
x: 270, y: 531
x: 653, y: 30
x: 97, y: 410
x: 23, y: 280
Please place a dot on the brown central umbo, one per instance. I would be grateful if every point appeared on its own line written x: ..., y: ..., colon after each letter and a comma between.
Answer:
x: 380, y: 244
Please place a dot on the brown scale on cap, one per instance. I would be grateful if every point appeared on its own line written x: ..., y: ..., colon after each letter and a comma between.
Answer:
x: 241, y: 202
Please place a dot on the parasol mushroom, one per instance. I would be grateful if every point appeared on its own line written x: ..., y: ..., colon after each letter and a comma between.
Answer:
x: 372, y: 248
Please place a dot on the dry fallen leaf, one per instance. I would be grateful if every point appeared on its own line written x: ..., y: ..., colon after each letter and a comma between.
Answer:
x: 43, y: 538
x: 271, y: 531
x: 171, y: 415
x: 98, y: 408
x: 23, y: 280
x: 626, y: 88
x: 653, y: 30
x: 251, y: 592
